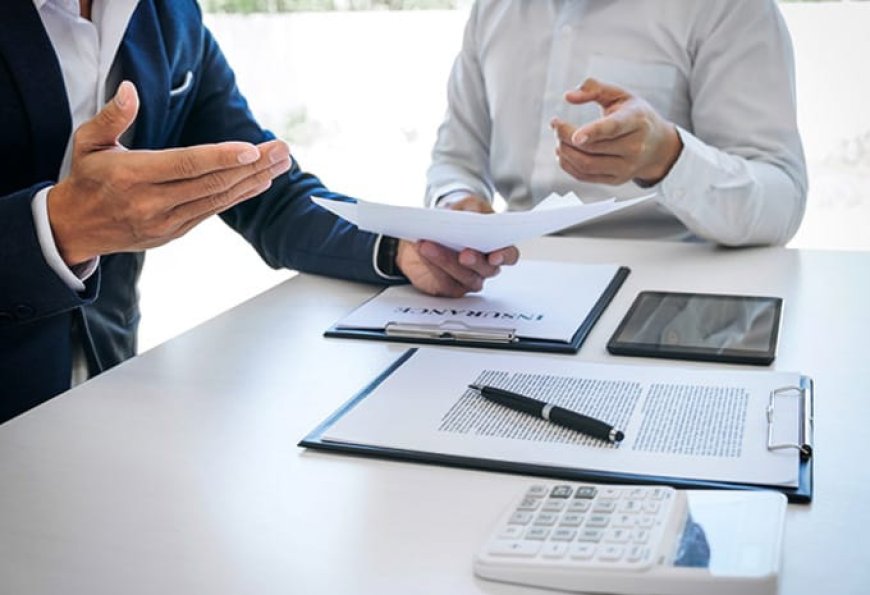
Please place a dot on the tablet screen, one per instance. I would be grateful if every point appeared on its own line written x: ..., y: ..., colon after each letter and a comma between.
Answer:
x: 728, y: 328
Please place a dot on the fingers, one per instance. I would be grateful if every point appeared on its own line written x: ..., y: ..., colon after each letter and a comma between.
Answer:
x: 599, y: 169
x: 594, y: 90
x: 504, y: 257
x: 245, y: 186
x: 274, y: 160
x: 473, y: 204
x: 104, y: 129
x: 170, y: 165
x: 447, y: 261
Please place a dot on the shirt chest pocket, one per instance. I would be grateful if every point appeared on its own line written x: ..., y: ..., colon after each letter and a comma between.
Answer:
x: 660, y: 84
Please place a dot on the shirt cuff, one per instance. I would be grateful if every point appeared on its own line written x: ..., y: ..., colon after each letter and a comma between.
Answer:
x: 446, y: 200
x: 688, y: 175
x: 74, y: 277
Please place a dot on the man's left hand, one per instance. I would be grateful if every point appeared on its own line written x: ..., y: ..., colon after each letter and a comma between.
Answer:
x: 631, y: 141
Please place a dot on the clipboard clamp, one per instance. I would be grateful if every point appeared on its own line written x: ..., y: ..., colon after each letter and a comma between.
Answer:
x: 451, y: 331
x: 805, y: 431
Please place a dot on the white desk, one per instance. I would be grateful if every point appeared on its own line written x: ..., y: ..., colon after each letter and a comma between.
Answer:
x: 178, y: 472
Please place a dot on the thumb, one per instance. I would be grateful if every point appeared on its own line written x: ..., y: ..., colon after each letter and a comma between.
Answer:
x: 104, y: 129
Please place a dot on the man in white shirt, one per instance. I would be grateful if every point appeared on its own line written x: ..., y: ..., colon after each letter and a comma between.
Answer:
x: 694, y: 100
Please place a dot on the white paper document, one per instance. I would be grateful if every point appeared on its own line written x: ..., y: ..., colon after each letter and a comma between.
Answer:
x: 689, y: 423
x: 534, y: 299
x: 462, y: 229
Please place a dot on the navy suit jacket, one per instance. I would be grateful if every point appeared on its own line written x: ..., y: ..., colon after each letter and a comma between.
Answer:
x: 164, y: 41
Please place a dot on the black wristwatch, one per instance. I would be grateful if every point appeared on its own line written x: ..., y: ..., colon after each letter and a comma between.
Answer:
x: 387, y: 251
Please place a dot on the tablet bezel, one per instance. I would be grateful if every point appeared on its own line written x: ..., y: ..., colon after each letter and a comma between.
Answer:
x: 683, y: 352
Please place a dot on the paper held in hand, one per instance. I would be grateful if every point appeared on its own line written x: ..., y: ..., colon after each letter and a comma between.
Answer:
x: 462, y: 229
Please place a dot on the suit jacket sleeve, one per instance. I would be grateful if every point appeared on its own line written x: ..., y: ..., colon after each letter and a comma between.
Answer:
x: 282, y: 224
x: 30, y: 288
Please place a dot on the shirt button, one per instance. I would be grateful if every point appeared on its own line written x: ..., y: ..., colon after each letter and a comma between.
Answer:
x: 679, y: 194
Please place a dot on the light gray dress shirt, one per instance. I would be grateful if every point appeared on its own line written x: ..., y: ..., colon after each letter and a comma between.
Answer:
x: 721, y: 70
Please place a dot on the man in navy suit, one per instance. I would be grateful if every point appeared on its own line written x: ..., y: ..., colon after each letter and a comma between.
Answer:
x: 78, y: 207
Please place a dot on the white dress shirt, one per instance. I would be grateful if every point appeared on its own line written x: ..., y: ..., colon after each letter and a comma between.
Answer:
x: 721, y: 70
x: 86, y: 52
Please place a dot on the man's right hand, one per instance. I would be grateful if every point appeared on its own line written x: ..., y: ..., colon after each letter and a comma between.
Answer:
x: 118, y: 200
x: 437, y: 270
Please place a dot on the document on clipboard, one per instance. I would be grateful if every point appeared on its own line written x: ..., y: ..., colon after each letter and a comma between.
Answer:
x: 687, y: 427
x: 533, y: 305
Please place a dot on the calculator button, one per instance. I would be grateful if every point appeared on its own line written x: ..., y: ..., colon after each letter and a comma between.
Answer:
x: 651, y: 507
x: 561, y: 491
x: 537, y: 491
x: 554, y: 505
x: 617, y: 536
x: 611, y: 553
x: 658, y: 493
x: 582, y: 551
x: 571, y: 519
x: 637, y: 553
x: 554, y: 550
x: 604, y: 506
x: 598, y: 520
x: 585, y: 492
x: 624, y: 520
x: 641, y: 536
x: 590, y: 535
x: 511, y: 532
x: 520, y: 518
x: 537, y: 533
x: 612, y: 493
x: 546, y: 519
x: 646, y: 521
x: 637, y: 494
x: 529, y: 504
x: 514, y: 549
x: 628, y: 506
x: 563, y: 534
x: 579, y: 505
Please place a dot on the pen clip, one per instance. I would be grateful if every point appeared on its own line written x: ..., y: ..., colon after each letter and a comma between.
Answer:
x: 451, y: 331
x: 805, y: 430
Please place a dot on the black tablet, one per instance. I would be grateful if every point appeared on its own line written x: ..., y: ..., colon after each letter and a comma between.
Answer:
x: 739, y: 329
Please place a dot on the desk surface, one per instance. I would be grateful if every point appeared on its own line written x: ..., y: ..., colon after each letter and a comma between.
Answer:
x: 178, y: 471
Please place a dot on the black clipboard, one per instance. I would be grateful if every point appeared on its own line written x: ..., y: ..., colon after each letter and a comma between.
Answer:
x: 490, y: 337
x: 802, y: 494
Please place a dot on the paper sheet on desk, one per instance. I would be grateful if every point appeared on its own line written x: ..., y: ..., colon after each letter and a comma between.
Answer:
x: 462, y: 229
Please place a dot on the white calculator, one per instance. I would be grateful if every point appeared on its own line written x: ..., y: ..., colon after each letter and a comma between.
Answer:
x: 638, y: 540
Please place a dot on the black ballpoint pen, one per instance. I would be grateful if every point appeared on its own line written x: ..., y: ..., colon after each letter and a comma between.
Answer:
x: 558, y: 415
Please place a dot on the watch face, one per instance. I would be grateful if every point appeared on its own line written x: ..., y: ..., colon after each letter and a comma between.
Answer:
x: 389, y: 248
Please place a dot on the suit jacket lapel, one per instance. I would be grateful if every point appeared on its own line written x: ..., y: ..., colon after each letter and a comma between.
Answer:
x: 144, y: 62
x: 27, y: 50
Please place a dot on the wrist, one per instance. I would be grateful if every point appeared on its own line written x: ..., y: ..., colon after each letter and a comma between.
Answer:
x: 665, y: 158
x: 62, y: 228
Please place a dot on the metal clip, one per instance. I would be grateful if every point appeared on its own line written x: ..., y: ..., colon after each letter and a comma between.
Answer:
x: 451, y: 331
x: 805, y: 438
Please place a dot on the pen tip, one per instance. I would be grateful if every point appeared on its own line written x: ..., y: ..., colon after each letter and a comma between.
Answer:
x: 619, y: 436
x: 474, y: 387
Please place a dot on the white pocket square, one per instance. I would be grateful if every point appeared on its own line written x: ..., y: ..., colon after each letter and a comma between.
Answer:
x: 184, y: 86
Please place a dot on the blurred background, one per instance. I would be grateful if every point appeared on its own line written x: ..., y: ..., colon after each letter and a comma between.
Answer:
x: 358, y: 89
